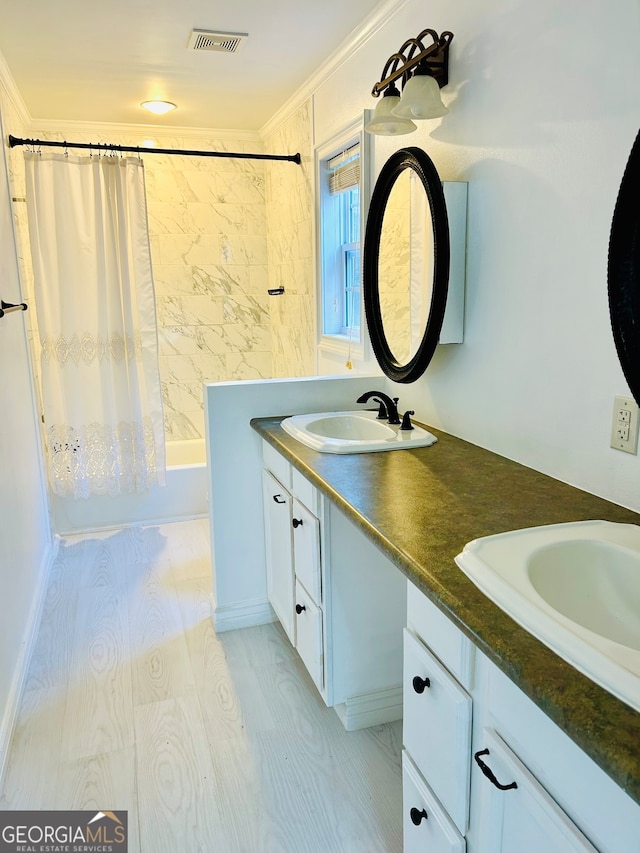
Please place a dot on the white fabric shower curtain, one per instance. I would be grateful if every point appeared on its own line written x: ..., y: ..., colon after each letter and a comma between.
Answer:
x: 96, y: 317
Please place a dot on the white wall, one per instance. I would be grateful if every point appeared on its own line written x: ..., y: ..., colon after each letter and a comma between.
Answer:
x: 25, y: 538
x: 543, y: 102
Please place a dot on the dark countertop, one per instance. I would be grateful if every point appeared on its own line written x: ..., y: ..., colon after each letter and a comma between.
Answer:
x: 421, y: 506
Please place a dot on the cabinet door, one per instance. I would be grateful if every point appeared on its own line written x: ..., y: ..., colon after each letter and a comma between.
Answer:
x: 425, y: 824
x: 279, y: 551
x: 309, y: 635
x: 306, y: 549
x: 516, y: 813
x: 437, y: 728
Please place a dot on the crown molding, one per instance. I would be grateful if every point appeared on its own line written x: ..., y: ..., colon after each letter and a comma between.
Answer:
x: 345, y: 51
x: 13, y: 93
x: 151, y: 131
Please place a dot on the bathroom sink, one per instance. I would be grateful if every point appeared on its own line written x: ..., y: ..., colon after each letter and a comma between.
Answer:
x: 576, y: 587
x: 353, y: 432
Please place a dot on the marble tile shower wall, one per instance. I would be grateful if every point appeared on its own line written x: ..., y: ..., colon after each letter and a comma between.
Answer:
x: 290, y: 248
x: 207, y: 227
x: 207, y: 223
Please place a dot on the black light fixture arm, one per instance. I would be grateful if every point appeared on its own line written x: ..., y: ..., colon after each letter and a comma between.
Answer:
x: 435, y: 59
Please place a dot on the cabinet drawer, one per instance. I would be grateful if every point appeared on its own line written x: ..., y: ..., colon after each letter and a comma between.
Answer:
x: 309, y: 635
x: 304, y: 490
x: 437, y: 631
x: 425, y: 824
x: 518, y: 814
x: 306, y: 550
x: 437, y: 728
x: 277, y: 464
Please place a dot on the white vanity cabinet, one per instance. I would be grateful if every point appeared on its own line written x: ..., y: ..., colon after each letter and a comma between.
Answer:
x: 438, y: 667
x: 293, y: 559
x: 437, y: 728
x: 505, y: 778
x: 340, y: 601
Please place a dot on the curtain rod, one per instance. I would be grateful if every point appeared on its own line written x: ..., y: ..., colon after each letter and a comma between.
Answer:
x: 102, y: 146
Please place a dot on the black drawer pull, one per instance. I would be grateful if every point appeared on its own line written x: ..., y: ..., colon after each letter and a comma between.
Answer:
x: 300, y: 608
x: 418, y: 816
x: 297, y: 522
x: 419, y: 684
x: 488, y: 772
x: 279, y: 499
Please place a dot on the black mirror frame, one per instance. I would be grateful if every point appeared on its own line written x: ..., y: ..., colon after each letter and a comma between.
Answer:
x: 421, y: 163
x: 623, y: 272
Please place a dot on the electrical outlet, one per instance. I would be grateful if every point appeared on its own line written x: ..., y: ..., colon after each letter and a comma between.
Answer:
x: 624, y: 427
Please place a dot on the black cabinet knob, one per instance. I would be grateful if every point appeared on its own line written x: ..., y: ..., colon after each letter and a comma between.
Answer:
x: 419, y: 684
x: 417, y: 816
x: 279, y: 499
x: 297, y: 522
x: 300, y: 608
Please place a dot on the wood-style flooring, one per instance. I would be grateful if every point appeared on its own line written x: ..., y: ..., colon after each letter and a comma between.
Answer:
x: 213, y: 743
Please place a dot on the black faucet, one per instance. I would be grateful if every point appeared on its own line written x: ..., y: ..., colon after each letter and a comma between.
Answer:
x: 390, y: 405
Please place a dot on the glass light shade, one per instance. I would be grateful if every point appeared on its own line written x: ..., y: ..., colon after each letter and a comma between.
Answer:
x: 420, y: 99
x: 385, y: 122
x: 158, y: 107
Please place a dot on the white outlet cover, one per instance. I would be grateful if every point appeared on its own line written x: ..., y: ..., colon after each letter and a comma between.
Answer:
x: 625, y: 414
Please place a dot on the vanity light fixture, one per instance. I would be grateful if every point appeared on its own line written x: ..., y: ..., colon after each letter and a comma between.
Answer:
x: 424, y: 71
x: 158, y: 107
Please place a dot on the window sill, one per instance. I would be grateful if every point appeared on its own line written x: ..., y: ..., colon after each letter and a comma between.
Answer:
x: 341, y: 344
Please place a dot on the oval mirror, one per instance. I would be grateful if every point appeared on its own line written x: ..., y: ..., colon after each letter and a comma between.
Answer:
x: 624, y: 272
x: 406, y: 264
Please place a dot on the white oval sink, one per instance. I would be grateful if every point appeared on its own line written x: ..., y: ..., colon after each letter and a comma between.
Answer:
x: 576, y: 587
x: 350, y: 428
x: 353, y: 432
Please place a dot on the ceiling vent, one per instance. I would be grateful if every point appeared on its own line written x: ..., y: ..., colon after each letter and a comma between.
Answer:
x: 220, y: 42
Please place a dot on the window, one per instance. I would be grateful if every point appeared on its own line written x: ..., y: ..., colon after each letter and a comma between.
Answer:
x: 339, y: 238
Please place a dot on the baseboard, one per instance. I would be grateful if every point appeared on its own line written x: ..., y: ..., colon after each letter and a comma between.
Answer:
x: 371, y: 709
x: 22, y: 664
x: 245, y: 614
x: 119, y: 525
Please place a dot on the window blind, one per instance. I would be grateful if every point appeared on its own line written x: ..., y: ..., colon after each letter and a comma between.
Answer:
x: 344, y: 170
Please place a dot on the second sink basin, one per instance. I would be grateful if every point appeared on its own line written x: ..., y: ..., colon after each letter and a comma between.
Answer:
x: 353, y: 432
x: 594, y: 583
x: 576, y: 587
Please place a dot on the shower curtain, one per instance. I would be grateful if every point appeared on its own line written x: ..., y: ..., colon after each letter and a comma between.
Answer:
x: 96, y: 317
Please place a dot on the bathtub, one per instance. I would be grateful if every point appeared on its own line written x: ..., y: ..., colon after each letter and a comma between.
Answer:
x: 184, y: 496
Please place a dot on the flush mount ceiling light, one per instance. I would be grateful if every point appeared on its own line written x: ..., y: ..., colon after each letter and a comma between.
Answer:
x: 424, y: 71
x: 158, y: 107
